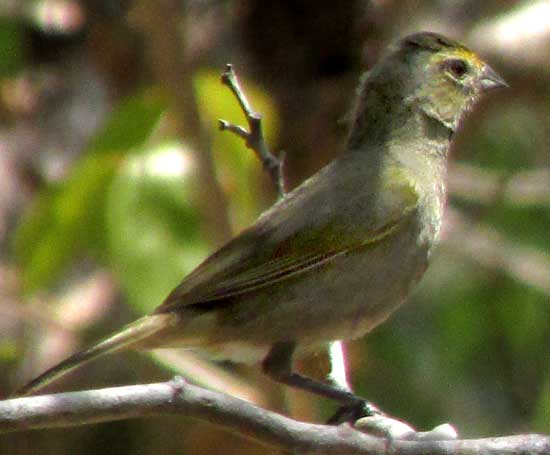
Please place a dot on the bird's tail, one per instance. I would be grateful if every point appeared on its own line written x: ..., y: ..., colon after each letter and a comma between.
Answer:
x: 129, y: 336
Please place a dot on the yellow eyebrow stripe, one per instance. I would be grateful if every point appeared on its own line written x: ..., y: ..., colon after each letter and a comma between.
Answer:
x: 469, y: 56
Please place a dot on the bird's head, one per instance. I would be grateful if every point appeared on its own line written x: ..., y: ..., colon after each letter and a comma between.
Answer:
x: 447, y: 78
x: 423, y: 76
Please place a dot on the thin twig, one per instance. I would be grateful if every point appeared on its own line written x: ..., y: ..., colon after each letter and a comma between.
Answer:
x: 268, y: 428
x: 254, y: 138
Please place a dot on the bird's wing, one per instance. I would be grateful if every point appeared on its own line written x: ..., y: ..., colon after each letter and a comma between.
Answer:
x: 285, y: 243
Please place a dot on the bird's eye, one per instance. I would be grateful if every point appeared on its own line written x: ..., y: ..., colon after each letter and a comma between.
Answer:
x: 457, y: 67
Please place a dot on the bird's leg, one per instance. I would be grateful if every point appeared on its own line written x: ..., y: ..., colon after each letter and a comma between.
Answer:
x: 278, y: 366
x: 338, y: 371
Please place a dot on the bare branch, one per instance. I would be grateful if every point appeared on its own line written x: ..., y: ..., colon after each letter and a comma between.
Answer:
x: 254, y: 139
x: 268, y: 428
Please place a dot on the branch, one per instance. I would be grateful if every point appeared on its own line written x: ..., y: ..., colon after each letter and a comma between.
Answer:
x: 268, y: 428
x: 254, y: 139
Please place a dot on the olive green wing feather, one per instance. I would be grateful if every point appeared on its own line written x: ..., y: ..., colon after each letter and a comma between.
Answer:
x: 281, y: 245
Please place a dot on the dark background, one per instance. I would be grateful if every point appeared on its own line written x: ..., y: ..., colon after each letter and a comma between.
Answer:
x: 114, y: 183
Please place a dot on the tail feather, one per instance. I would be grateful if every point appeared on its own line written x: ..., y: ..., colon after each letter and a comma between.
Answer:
x: 129, y: 336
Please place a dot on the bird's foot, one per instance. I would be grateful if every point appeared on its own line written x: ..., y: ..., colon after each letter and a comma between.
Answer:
x: 366, y: 417
x: 356, y: 410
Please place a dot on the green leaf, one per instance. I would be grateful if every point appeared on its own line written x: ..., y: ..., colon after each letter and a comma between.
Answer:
x: 10, y: 47
x: 152, y: 224
x: 130, y: 125
x: 69, y: 216
x: 541, y: 418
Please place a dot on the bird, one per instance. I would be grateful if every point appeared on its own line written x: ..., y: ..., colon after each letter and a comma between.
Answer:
x: 339, y: 254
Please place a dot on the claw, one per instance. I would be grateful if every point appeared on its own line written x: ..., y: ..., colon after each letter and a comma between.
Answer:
x: 353, y: 412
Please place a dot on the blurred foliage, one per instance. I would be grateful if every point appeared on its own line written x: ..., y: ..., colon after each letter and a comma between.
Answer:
x: 11, y: 57
x: 470, y: 346
x: 129, y: 201
x: 68, y: 216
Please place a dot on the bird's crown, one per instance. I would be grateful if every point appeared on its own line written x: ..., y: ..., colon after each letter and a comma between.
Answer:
x: 443, y: 46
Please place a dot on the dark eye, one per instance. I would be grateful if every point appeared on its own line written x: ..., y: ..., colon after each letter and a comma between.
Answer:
x: 458, y: 68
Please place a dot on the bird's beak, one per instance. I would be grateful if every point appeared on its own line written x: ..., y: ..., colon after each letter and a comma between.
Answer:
x: 490, y: 80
